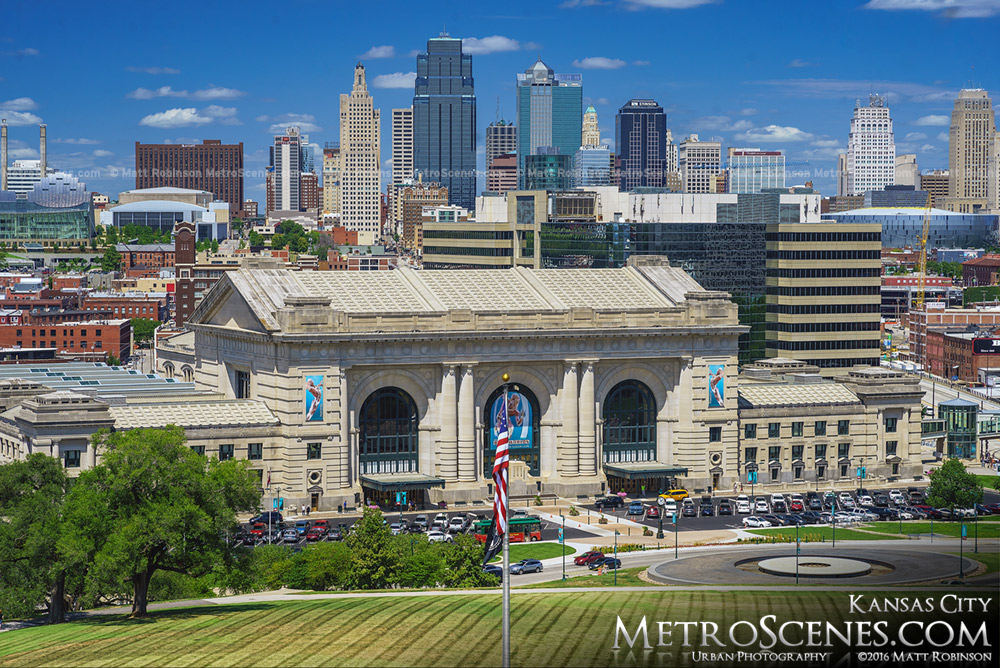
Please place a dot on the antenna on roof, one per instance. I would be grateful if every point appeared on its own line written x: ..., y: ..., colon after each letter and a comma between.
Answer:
x: 497, y: 120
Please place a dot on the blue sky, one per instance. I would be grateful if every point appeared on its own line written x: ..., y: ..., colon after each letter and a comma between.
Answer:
x: 774, y: 74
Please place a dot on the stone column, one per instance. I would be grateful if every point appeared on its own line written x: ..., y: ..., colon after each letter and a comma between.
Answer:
x: 588, y: 424
x: 447, y: 445
x: 466, y: 426
x: 569, y: 464
x: 346, y: 461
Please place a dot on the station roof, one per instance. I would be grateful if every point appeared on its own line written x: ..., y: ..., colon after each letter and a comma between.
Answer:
x: 760, y: 395
x: 94, y: 378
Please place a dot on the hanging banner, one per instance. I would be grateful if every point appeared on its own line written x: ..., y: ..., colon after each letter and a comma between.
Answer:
x: 716, y: 386
x: 314, y: 398
x: 519, y: 417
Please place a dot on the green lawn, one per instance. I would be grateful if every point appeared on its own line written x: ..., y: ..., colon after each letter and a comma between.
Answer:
x: 813, y: 534
x: 986, y: 529
x: 565, y: 629
x: 987, y: 481
x: 627, y: 577
x: 521, y: 551
x: 989, y: 557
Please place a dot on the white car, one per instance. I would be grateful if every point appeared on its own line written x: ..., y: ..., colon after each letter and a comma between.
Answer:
x: 743, y: 507
x: 755, y: 522
x: 441, y: 517
x: 438, y: 537
x: 777, y: 497
x: 395, y: 528
x: 796, y: 497
x: 456, y: 524
x: 761, y: 506
x: 420, y: 521
x: 669, y: 506
x: 897, y: 497
x: 905, y: 514
x: 844, y: 496
x: 866, y: 501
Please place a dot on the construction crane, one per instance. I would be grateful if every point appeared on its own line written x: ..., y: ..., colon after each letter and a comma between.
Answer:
x: 922, y: 259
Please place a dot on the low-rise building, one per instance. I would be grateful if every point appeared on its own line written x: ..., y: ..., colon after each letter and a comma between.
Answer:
x: 140, y: 259
x: 85, y: 340
x: 981, y: 271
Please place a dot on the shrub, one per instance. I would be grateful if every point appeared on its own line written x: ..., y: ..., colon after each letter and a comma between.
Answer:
x: 538, y: 500
x: 602, y: 520
x: 573, y: 511
x: 646, y: 531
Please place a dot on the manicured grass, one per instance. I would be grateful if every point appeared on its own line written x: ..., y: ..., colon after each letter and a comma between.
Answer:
x: 813, y: 534
x: 987, y: 481
x: 986, y: 529
x: 521, y: 551
x: 989, y: 557
x: 627, y: 577
x: 565, y: 629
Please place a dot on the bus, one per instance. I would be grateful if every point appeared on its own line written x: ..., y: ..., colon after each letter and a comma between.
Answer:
x: 520, y: 528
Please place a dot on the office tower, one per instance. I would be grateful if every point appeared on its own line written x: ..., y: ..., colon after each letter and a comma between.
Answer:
x: 936, y: 184
x: 502, y: 174
x: 549, y: 114
x: 43, y: 149
x: 360, y: 179
x: 699, y: 163
x: 501, y: 139
x: 823, y: 306
x: 871, y: 149
x: 993, y: 189
x: 548, y: 170
x: 309, y: 191
x: 444, y: 119
x: 211, y: 166
x: 842, y: 176
x: 907, y: 172
x: 402, y: 145
x: 970, y: 140
x: 413, y: 198
x: 331, y: 180
x: 751, y: 170
x: 286, y: 163
x: 641, y: 144
x: 671, y: 153
x: 22, y: 175
x: 591, y: 134
x: 591, y: 166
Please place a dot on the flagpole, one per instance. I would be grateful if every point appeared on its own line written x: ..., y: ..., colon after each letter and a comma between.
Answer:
x: 506, y: 558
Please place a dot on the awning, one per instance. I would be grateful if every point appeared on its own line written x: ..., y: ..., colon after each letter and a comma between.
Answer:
x: 400, y: 482
x: 635, y: 470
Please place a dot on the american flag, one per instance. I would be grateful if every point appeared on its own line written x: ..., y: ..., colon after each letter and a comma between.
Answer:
x: 495, y: 540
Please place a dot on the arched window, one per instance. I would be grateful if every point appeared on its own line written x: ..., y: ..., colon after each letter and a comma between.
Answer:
x: 168, y: 370
x: 188, y: 374
x: 525, y: 424
x: 629, y: 423
x: 388, y: 433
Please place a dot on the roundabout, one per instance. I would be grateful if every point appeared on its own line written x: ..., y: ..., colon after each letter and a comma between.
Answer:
x: 814, y: 567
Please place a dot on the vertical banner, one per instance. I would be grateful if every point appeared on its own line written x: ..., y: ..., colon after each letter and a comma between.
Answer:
x: 518, y: 417
x: 716, y: 386
x: 314, y: 398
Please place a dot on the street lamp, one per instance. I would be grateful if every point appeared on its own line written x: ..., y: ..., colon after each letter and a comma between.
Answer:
x: 616, y: 557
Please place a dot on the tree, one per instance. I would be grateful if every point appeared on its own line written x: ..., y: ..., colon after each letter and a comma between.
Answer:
x: 278, y: 241
x: 32, y: 498
x: 953, y: 487
x: 111, y: 260
x: 111, y: 238
x: 153, y: 504
x: 215, y: 245
x: 113, y: 361
x: 374, y: 562
x: 255, y: 238
x: 463, y: 564
x: 143, y: 329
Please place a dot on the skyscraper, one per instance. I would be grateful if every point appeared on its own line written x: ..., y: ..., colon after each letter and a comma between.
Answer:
x: 360, y: 178
x: 641, y: 143
x: 970, y: 140
x: 286, y: 161
x: 402, y: 145
x: 444, y: 119
x: 751, y: 170
x: 211, y: 166
x: 501, y: 139
x: 592, y: 161
x: 549, y: 114
x: 591, y: 133
x: 699, y: 163
x: 331, y: 180
x: 871, y: 149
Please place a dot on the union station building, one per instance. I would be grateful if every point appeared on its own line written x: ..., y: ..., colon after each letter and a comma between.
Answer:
x: 345, y: 387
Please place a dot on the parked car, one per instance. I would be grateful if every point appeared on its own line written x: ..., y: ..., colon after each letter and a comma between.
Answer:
x: 396, y: 528
x: 930, y: 513
x: 982, y: 510
x: 335, y: 534
x: 881, y: 500
x: 456, y: 524
x: 607, y: 562
x: 669, y: 507
x: 438, y: 537
x: 677, y: 494
x: 316, y: 533
x: 791, y: 519
x: 897, y: 497
x: 743, y: 507
x: 775, y: 498
x: 796, y: 506
x: 707, y: 509
x: 815, y: 503
x: 302, y: 526
x: 755, y: 522
x: 271, y: 515
x: 811, y: 517
x: 775, y: 520
x: 760, y: 506
x: 609, y: 502
x: 725, y: 508
x: 421, y: 521
x: 917, y: 513
x: 441, y: 517
x: 635, y: 508
x: 493, y: 569
x: 848, y: 503
x: 258, y: 530
x: 779, y: 506
x: 866, y: 501
x: 526, y: 566
x: 587, y: 557
x: 689, y: 510
x: 290, y: 536
x: 652, y: 512
x: 438, y: 525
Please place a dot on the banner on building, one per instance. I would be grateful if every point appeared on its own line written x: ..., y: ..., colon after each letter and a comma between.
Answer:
x: 716, y: 385
x: 314, y: 398
x: 519, y: 419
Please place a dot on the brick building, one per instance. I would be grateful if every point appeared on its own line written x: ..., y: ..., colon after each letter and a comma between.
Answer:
x: 981, y: 271
x: 142, y: 258
x: 211, y: 166
x: 936, y: 315
x: 358, y: 258
x: 126, y: 305
x: 87, y: 340
x: 951, y: 353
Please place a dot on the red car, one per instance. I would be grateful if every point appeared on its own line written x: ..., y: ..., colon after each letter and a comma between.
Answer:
x: 322, y: 523
x: 258, y: 530
x: 587, y: 558
x: 316, y: 533
x: 795, y: 505
x: 652, y: 511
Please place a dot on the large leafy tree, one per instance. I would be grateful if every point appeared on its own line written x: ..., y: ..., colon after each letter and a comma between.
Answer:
x: 32, y: 497
x: 153, y: 504
x: 953, y: 487
x: 374, y: 562
x: 463, y: 564
x: 143, y: 328
x: 111, y: 260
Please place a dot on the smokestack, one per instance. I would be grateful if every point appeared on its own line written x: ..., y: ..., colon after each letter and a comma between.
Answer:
x: 41, y: 129
x: 3, y: 155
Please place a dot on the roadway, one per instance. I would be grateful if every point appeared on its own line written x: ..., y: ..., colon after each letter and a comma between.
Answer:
x: 939, y: 390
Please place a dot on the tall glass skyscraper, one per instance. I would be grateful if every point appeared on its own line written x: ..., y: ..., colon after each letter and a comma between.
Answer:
x: 444, y: 120
x: 549, y: 114
x: 641, y: 143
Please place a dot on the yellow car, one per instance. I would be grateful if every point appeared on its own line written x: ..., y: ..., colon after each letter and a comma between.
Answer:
x: 676, y: 494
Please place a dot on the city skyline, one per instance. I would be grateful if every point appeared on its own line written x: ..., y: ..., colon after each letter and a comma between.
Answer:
x: 798, y: 98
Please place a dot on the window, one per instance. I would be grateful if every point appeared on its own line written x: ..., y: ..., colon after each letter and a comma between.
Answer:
x: 774, y: 430
x: 797, y: 451
x: 72, y: 459
x: 750, y: 430
x: 714, y: 434
x: 821, y: 451
x: 200, y: 449
x: 821, y: 427
x: 255, y: 451
x: 820, y: 472
x: 844, y: 450
x: 225, y: 452
x: 242, y: 384
x: 797, y: 472
x: 260, y: 476
x: 796, y: 429
x: 751, y: 455
x: 843, y: 427
x: 895, y: 469
x: 890, y: 425
x: 890, y: 448
x: 843, y: 470
x: 774, y: 453
x: 314, y: 450
x: 774, y: 474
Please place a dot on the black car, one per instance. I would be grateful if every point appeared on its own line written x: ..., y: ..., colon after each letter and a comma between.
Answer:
x: 608, y: 563
x: 881, y: 500
x: 792, y: 519
x: 775, y: 520
x: 689, y: 510
x: 725, y: 508
x: 272, y: 516
x: 609, y: 502
x: 811, y: 517
x: 707, y: 510
x: 493, y: 569
x: 779, y: 507
x: 815, y: 503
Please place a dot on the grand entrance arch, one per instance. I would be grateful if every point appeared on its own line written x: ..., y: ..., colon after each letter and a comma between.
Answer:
x: 525, y: 424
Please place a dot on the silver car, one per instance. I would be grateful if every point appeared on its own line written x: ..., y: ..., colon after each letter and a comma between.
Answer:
x: 290, y: 536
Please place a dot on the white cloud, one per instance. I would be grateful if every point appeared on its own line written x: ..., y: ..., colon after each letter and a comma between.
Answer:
x: 775, y: 133
x: 927, y: 148
x: 210, y: 93
x: 841, y: 88
x: 667, y: 4
x: 225, y: 115
x: 22, y: 154
x: 386, y: 51
x: 933, y: 119
x: 153, y: 70
x: 824, y: 153
x: 217, y: 93
x: 826, y: 143
x: 599, y: 63
x: 943, y: 136
x: 798, y: 62
x: 414, y: 53
x: 395, y: 80
x: 304, y: 122
x: 721, y: 123
x: 101, y: 153
x: 952, y: 9
x: 175, y: 118
x: 19, y: 117
x: 748, y: 111
x: 492, y: 44
x: 532, y: 46
x: 26, y: 52
x: 162, y: 91
x: 640, y: 63
x: 81, y: 140
x: 914, y: 136
x: 19, y: 104
x: 598, y: 101
x: 569, y: 4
